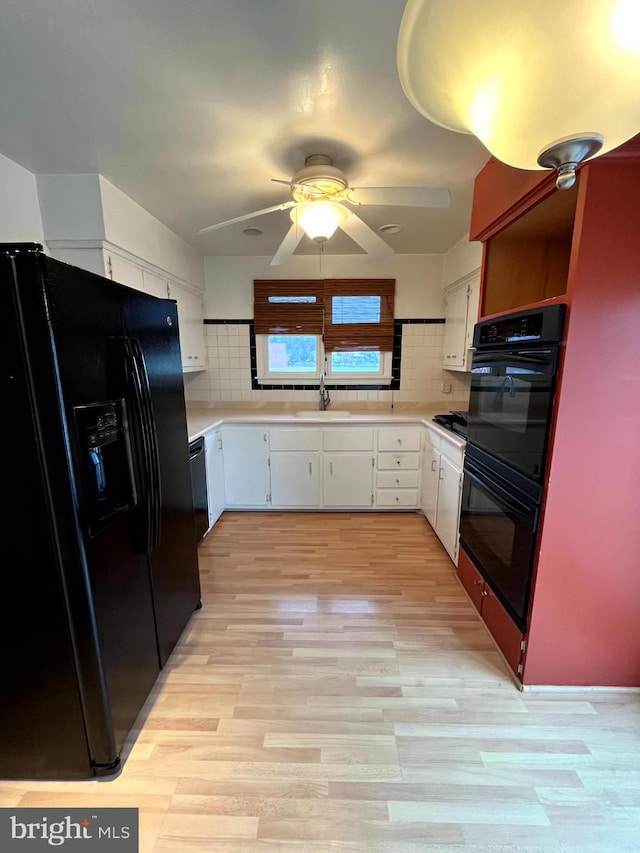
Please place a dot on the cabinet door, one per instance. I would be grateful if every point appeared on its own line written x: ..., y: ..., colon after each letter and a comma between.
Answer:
x: 154, y: 285
x: 430, y: 469
x: 295, y: 479
x: 246, y: 469
x: 215, y: 476
x: 503, y: 629
x: 471, y: 580
x: 347, y: 480
x: 191, y: 326
x: 124, y: 272
x: 448, y: 508
x: 455, y: 329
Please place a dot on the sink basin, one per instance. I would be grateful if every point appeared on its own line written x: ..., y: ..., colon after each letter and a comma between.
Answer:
x: 326, y: 415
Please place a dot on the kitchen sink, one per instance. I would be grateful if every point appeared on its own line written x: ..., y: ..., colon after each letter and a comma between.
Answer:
x: 326, y: 415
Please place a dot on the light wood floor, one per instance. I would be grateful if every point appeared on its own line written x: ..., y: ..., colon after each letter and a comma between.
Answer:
x: 338, y: 692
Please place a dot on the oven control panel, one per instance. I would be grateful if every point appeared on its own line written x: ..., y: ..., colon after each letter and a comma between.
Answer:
x: 524, y: 327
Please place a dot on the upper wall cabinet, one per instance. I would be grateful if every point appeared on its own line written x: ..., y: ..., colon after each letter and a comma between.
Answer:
x: 190, y: 306
x: 528, y: 260
x: 123, y: 271
x: 191, y: 326
x: 461, y: 314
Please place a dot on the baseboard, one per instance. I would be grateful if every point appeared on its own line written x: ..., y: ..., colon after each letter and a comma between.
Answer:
x: 575, y: 688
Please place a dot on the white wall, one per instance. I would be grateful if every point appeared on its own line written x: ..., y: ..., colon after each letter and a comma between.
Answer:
x: 130, y: 226
x: 20, y: 219
x: 229, y: 296
x: 463, y: 258
x: 229, y: 280
x: 71, y: 207
x: 88, y: 208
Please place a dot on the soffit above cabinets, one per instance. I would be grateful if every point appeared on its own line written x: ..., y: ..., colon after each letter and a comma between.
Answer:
x: 191, y: 109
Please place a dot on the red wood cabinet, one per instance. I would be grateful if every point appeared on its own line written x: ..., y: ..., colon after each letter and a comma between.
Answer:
x: 585, y: 600
x: 501, y: 626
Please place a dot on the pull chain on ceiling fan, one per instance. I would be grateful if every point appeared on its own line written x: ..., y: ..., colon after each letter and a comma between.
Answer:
x: 320, y: 192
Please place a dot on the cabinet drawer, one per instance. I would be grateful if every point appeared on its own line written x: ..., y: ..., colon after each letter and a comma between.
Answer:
x: 335, y: 438
x: 398, y: 461
x: 397, y: 497
x: 397, y: 479
x: 294, y: 439
x: 404, y: 438
x: 452, y: 452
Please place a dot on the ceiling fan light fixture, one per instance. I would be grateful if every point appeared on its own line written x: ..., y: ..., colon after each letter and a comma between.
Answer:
x: 319, y: 219
x: 525, y: 77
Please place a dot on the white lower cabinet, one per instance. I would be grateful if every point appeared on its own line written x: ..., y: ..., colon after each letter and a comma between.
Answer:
x: 398, y: 464
x: 246, y: 467
x: 430, y: 473
x: 441, y: 490
x: 347, y: 480
x: 337, y: 468
x: 295, y: 479
x: 215, y: 475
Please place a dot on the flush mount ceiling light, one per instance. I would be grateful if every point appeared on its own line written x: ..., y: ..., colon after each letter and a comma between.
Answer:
x: 543, y: 86
x: 319, y: 219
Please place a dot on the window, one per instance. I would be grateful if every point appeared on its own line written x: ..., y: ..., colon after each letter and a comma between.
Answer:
x: 343, y: 328
x: 292, y: 353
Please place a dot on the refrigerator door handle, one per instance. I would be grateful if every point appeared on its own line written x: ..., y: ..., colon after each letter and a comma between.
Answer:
x: 141, y: 532
x: 149, y: 422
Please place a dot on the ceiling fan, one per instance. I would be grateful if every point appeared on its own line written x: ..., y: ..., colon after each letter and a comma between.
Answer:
x: 320, y: 191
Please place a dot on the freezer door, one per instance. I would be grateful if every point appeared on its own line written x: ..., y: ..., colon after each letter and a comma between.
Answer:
x: 153, y: 324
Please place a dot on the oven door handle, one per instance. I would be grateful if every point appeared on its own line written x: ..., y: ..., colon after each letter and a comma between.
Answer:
x: 491, y: 486
x: 514, y: 357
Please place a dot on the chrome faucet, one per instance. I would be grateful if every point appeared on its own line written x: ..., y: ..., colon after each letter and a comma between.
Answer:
x: 325, y: 399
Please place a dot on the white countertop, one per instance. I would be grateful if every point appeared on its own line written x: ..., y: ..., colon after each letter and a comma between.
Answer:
x: 202, y: 419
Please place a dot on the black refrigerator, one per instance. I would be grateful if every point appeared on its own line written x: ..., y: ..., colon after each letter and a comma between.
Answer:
x: 99, y: 568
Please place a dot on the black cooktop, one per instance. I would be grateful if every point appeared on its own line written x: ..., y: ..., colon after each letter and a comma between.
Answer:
x: 456, y: 422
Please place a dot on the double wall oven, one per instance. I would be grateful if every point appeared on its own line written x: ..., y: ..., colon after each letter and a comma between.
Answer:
x: 513, y: 378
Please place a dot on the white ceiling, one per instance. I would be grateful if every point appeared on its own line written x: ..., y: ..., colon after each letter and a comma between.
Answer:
x: 191, y: 107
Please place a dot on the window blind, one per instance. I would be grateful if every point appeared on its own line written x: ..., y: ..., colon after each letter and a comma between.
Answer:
x: 358, y: 314
x: 351, y: 314
x: 288, y: 307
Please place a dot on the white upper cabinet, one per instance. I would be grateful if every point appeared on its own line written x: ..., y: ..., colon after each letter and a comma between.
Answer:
x: 191, y: 327
x: 124, y: 272
x: 461, y: 314
x: 155, y: 285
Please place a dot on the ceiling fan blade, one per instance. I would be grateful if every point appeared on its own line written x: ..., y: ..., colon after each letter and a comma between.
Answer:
x: 365, y: 237
x: 288, y: 245
x: 215, y: 227
x: 307, y: 187
x: 400, y: 196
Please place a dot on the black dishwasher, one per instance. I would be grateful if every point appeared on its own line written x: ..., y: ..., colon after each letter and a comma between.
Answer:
x: 198, y: 465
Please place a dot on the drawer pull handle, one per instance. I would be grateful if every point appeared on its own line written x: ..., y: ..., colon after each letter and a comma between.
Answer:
x: 478, y: 583
x: 399, y: 441
x: 397, y: 498
x: 310, y: 468
x: 441, y: 475
x: 397, y: 461
x: 433, y: 465
x: 331, y: 468
x: 397, y: 481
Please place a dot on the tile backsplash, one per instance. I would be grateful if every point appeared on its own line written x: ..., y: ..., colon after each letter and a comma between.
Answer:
x: 228, y: 374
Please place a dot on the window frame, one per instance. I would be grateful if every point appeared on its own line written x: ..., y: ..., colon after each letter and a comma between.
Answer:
x: 281, y: 377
